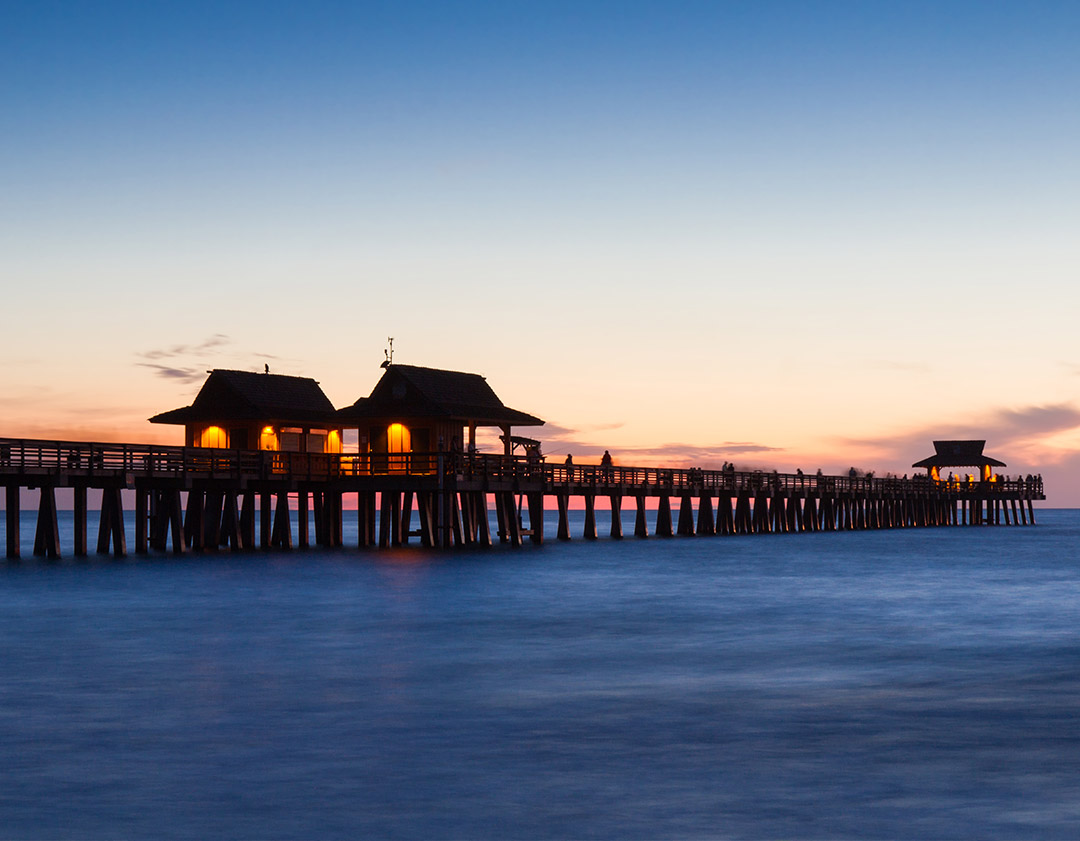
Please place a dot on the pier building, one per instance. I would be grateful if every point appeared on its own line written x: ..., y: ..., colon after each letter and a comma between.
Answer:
x: 957, y: 454
x: 243, y: 410
x: 415, y: 410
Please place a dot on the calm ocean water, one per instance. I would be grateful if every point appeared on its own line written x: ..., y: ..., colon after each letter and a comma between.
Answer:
x: 901, y: 684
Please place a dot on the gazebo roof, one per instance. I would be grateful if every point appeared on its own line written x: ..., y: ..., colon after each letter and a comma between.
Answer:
x: 413, y: 391
x: 959, y: 454
x: 248, y: 396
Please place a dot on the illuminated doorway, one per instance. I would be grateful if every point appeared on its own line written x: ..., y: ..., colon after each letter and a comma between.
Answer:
x: 399, y: 446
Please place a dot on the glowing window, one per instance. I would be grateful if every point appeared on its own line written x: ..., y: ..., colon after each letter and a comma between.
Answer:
x: 398, y: 439
x: 213, y: 436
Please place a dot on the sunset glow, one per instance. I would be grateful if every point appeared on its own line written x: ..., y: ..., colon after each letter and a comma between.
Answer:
x: 776, y: 234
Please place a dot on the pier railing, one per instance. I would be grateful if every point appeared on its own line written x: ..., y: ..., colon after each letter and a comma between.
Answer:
x: 20, y: 457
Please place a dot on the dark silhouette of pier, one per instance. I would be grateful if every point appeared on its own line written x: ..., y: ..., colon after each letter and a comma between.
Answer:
x: 207, y: 499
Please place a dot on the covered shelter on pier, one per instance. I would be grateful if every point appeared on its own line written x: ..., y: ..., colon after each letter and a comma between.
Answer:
x: 951, y: 454
x: 413, y: 409
x: 246, y: 410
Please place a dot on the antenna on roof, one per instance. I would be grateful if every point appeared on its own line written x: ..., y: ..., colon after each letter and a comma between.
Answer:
x: 389, y: 353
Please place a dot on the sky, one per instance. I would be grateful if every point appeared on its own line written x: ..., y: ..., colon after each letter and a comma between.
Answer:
x: 783, y: 234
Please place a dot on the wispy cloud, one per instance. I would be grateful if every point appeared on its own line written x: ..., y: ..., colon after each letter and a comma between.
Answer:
x: 184, y: 375
x: 194, y: 355
x: 188, y: 363
x: 202, y: 349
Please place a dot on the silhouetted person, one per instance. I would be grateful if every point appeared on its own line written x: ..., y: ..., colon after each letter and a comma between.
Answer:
x: 605, y: 465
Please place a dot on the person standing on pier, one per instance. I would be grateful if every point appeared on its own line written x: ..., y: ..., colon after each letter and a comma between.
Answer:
x: 605, y: 465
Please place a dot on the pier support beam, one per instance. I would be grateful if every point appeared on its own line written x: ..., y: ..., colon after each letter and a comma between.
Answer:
x: 536, y: 517
x: 389, y: 519
x: 725, y: 518
x: 663, y: 518
x: 80, y: 517
x: 303, y: 518
x: 744, y: 523
x: 266, y: 520
x: 616, y: 515
x: 761, y: 513
x: 142, y: 521
x: 641, y: 526
x: 590, y: 517
x: 706, y: 525
x: 778, y: 513
x: 214, y: 499
x: 247, y: 519
x: 231, y: 533
x: 563, y: 501
x: 281, y: 537
x: 47, y: 537
x: 111, y: 524
x: 686, y: 516
x: 193, y: 519
x: 509, y: 522
x: 11, y: 521
x: 365, y: 519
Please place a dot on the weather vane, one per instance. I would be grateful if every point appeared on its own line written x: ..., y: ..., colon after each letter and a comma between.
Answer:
x: 389, y: 353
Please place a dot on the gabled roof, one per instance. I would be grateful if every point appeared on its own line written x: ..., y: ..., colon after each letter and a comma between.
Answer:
x: 247, y: 396
x: 959, y: 454
x: 412, y: 391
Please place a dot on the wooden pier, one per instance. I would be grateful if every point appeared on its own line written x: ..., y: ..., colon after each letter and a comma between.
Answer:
x: 205, y: 499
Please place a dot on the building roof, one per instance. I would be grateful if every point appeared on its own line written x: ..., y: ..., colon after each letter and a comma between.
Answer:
x: 959, y: 454
x: 247, y: 396
x: 412, y: 391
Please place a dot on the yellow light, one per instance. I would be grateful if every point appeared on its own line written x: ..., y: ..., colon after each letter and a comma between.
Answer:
x: 398, y: 438
x: 213, y: 436
x: 269, y: 430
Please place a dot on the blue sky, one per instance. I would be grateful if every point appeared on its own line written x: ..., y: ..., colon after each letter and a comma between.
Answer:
x: 798, y: 233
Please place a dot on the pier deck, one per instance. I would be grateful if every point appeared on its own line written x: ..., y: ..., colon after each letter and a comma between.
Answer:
x: 205, y: 499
